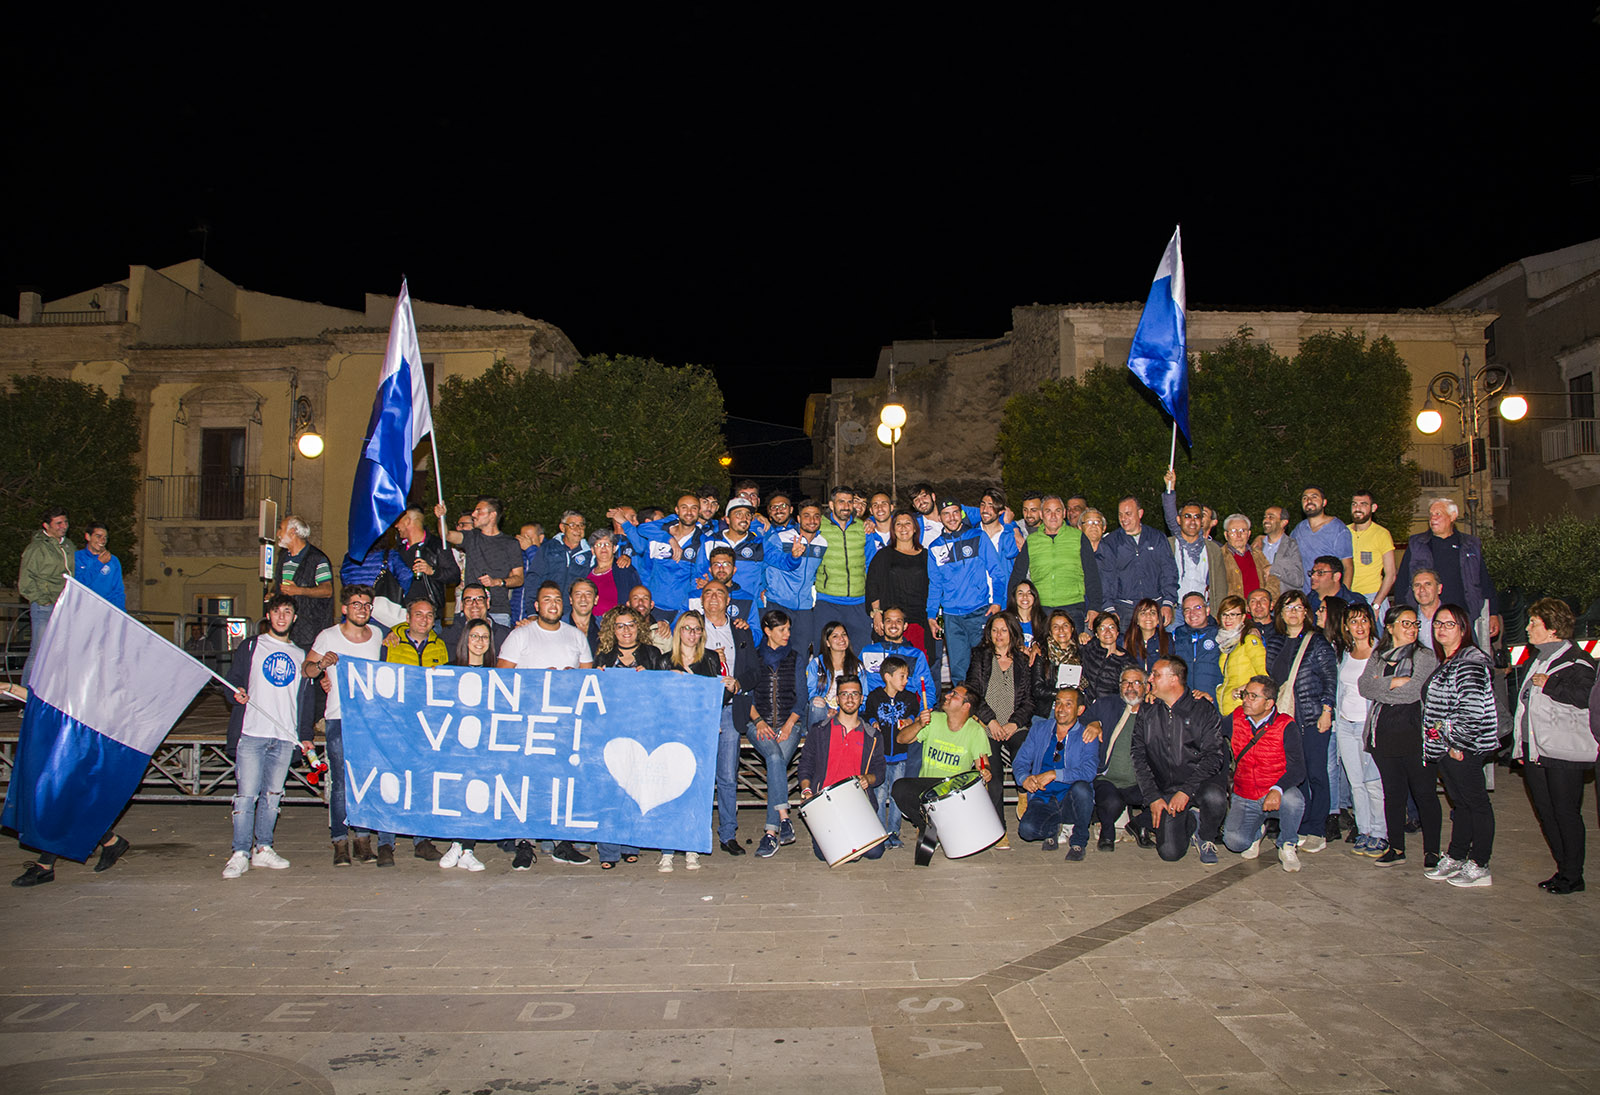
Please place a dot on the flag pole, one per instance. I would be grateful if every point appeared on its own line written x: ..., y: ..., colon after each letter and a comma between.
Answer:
x: 438, y: 477
x: 1172, y: 460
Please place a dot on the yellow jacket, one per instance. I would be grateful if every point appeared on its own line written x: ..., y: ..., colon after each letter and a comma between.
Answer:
x: 1247, y: 659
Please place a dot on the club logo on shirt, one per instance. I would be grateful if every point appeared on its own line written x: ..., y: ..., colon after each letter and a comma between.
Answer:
x: 747, y: 553
x: 278, y: 669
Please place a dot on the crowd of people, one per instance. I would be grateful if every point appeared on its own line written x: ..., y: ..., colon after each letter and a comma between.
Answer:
x: 1305, y: 685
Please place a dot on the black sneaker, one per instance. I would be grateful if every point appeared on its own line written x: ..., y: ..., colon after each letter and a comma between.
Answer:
x: 1107, y: 845
x: 1050, y: 843
x: 564, y: 852
x: 35, y: 875
x: 732, y: 847
x: 1144, y: 837
x: 786, y: 835
x: 110, y: 853
x: 1390, y: 858
x: 525, y: 857
x: 1430, y: 860
x: 1547, y: 883
x: 1075, y: 853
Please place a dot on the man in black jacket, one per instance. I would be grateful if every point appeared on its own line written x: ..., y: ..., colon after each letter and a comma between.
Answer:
x: 433, y: 567
x: 1181, y: 762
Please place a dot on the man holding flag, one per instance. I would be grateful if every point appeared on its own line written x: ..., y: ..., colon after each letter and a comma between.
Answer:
x: 104, y: 692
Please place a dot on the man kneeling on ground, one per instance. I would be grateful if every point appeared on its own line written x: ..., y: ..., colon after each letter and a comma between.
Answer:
x: 1056, y: 767
x: 1269, y: 766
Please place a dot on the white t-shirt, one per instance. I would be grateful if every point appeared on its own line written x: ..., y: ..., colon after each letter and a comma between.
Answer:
x: 331, y: 640
x: 274, y: 688
x: 1351, y: 706
x: 532, y: 647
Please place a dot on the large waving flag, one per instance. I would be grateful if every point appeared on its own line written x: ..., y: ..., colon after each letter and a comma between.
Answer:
x: 1159, y: 355
x: 105, y: 691
x: 401, y: 418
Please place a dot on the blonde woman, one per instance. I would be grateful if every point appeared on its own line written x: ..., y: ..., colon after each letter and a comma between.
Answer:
x: 1241, y: 652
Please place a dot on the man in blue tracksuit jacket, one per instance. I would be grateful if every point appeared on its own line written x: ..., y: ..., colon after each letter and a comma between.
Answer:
x: 967, y: 581
x: 1195, y: 641
x: 1056, y: 768
x: 791, y: 578
x: 676, y: 549
x: 748, y: 547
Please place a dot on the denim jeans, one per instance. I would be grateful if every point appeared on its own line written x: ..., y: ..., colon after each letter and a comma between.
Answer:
x: 1340, y: 796
x: 38, y: 616
x: 259, y: 767
x: 888, y: 808
x: 961, y: 634
x: 1366, y: 782
x: 613, y: 853
x: 727, y: 790
x: 1315, y: 820
x: 1245, y: 820
x: 1045, y: 816
x: 777, y: 754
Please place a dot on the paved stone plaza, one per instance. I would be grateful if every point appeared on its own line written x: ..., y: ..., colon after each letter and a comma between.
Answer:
x: 1009, y: 972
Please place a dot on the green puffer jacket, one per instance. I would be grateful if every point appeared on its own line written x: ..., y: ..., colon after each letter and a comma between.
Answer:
x: 44, y: 561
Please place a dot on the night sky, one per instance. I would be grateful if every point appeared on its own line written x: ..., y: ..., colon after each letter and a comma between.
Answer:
x: 777, y: 192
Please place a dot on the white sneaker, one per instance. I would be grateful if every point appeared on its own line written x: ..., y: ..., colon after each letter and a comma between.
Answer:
x: 266, y: 857
x: 1252, y: 851
x: 1444, y: 869
x: 451, y: 857
x: 691, y: 861
x: 1471, y: 875
x: 665, y: 866
x: 1312, y: 844
x: 466, y: 861
x: 1289, y: 858
x: 238, y: 864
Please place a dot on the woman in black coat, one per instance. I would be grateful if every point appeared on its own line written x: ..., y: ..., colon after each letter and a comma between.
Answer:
x: 1000, y: 681
x: 1303, y: 663
x: 1103, y: 658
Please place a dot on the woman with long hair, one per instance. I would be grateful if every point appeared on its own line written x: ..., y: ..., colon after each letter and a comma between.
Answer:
x: 1461, y: 731
x: 1359, y: 635
x: 1000, y: 681
x: 1391, y: 684
x: 689, y: 655
x: 1241, y: 652
x: 824, y: 672
x: 1331, y: 612
x: 1302, y: 661
x: 621, y: 646
x: 1024, y: 605
x: 1103, y: 658
x: 1553, y: 737
x: 898, y: 578
x: 1060, y: 648
x: 475, y: 647
x: 1329, y: 619
x: 1146, y: 639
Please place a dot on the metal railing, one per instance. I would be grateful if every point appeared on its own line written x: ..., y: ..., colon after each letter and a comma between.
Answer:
x: 208, y: 497
x: 1500, y: 462
x: 1575, y: 437
x: 64, y: 319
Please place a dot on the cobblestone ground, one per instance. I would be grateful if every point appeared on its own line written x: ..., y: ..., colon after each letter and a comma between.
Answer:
x: 1009, y: 972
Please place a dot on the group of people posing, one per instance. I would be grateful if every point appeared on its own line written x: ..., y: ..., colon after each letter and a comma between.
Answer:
x: 1216, y: 692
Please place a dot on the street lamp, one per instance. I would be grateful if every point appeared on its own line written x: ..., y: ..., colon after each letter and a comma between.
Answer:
x: 303, y: 436
x: 1469, y: 392
x: 891, y: 419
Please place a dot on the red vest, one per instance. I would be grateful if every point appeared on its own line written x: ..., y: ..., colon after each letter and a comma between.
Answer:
x: 1265, y: 764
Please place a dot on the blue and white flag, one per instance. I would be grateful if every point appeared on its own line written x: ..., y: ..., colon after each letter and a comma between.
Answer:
x: 400, y: 420
x: 105, y: 691
x: 1159, y: 355
x: 618, y: 756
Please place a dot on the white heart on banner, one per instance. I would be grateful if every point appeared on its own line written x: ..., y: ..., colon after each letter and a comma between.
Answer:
x: 650, y: 779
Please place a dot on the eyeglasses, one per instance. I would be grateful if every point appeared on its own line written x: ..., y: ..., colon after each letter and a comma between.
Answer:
x: 625, y: 625
x: 1320, y: 572
x: 475, y: 600
x: 1446, y: 625
x: 691, y: 630
x: 1254, y: 695
x: 1409, y: 625
x: 359, y: 604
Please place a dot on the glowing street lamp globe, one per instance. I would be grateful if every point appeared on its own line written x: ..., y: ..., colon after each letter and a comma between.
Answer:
x: 1429, y: 420
x: 1513, y: 408
x: 893, y: 415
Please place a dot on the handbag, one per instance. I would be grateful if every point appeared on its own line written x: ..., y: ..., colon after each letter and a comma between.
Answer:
x: 1286, y: 689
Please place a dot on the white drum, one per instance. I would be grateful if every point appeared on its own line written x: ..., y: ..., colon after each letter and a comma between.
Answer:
x: 961, y: 814
x: 843, y: 822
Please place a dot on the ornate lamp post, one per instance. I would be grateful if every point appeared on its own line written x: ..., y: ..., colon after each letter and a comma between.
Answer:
x: 1469, y: 392
x: 891, y: 420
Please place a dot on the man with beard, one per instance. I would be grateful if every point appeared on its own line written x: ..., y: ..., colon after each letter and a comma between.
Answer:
x: 1321, y: 533
x: 1280, y: 550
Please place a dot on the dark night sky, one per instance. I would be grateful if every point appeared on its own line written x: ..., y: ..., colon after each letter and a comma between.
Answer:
x: 777, y: 193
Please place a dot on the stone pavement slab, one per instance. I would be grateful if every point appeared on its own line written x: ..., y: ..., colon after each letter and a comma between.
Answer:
x: 1007, y: 972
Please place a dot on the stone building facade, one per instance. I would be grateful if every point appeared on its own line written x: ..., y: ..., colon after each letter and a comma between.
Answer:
x: 214, y: 371
x: 955, y: 390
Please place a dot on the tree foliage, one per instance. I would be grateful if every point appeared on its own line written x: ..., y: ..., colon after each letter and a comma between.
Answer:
x: 615, y: 430
x: 1265, y: 427
x: 67, y: 444
x: 1560, y: 558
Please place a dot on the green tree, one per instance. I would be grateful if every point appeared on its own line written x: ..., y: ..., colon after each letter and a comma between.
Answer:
x: 614, y: 430
x: 1560, y: 558
x: 67, y: 444
x: 1265, y: 427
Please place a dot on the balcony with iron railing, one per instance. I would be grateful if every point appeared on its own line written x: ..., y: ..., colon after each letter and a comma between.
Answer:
x: 1571, y: 449
x: 220, y: 496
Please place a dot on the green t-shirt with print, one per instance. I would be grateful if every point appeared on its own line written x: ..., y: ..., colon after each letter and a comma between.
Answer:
x: 946, y: 752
